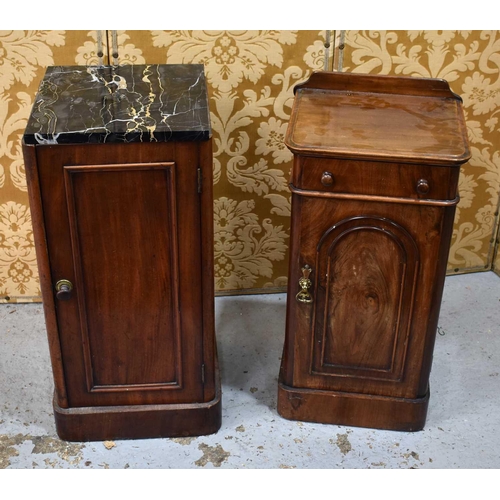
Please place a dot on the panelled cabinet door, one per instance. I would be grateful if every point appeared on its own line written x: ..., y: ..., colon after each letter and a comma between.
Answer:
x: 366, y: 271
x: 372, y: 267
x: 120, y: 243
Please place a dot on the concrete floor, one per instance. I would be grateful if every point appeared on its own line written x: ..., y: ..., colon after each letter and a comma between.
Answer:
x: 462, y: 429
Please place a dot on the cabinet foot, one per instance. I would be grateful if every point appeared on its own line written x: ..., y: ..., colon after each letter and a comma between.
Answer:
x: 357, y: 410
x: 99, y: 423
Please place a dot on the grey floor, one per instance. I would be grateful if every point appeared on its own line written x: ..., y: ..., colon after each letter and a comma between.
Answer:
x: 462, y: 429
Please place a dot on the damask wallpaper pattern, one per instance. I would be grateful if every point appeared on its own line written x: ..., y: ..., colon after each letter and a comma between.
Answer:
x: 24, y: 55
x: 251, y: 75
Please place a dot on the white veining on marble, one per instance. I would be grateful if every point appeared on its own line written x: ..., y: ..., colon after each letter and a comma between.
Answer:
x: 142, y: 103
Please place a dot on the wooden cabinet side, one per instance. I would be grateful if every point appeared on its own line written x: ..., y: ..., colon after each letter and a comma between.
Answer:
x: 37, y: 219
x: 207, y: 269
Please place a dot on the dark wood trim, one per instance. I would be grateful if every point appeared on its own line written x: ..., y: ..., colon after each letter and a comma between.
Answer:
x: 446, y: 231
x: 365, y: 197
x: 99, y: 423
x: 43, y: 262
x: 207, y: 268
x: 358, y: 410
x: 287, y: 362
x: 451, y: 161
x: 380, y: 84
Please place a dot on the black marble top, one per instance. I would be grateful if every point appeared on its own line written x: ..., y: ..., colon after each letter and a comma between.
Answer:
x: 134, y: 103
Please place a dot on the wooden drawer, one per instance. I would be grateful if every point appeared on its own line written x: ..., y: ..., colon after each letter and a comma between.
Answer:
x: 375, y: 178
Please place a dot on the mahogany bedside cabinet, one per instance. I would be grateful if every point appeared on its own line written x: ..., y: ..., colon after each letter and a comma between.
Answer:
x: 119, y: 168
x: 374, y: 190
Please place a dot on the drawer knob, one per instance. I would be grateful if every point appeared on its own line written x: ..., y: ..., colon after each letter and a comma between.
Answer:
x: 63, y: 289
x: 305, y: 283
x: 423, y: 186
x: 327, y: 179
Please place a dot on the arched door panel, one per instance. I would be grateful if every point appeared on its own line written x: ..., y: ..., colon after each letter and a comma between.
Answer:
x: 366, y: 275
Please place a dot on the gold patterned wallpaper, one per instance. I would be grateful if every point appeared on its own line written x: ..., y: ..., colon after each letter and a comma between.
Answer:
x: 251, y: 75
x: 24, y: 55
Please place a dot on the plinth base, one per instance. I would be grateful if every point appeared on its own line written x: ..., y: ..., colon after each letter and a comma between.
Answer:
x: 100, y: 423
x: 357, y: 410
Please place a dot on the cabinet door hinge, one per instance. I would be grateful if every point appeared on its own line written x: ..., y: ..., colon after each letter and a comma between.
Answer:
x: 199, y: 180
x: 203, y: 374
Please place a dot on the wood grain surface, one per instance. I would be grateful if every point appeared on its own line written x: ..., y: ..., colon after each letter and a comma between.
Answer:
x: 378, y: 117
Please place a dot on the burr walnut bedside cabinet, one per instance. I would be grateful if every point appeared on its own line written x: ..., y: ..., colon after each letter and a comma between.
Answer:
x: 119, y: 168
x: 374, y: 191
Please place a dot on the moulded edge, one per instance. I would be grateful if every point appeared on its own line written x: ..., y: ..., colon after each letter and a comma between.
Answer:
x: 351, y: 409
x: 98, y: 423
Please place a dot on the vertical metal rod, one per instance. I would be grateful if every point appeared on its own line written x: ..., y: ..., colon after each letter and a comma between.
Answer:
x: 327, y: 50
x: 341, y: 50
x: 100, y: 52
x: 114, y: 44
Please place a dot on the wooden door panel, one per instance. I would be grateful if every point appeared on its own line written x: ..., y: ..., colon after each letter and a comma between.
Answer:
x: 123, y: 225
x: 126, y: 273
x: 369, y: 281
x: 379, y: 348
x: 368, y: 265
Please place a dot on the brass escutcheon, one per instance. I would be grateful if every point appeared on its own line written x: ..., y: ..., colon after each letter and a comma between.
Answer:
x: 305, y: 283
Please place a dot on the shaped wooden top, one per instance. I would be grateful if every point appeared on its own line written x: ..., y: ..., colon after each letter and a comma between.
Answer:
x: 386, y: 118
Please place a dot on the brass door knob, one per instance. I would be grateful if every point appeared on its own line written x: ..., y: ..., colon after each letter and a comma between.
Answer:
x: 63, y: 289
